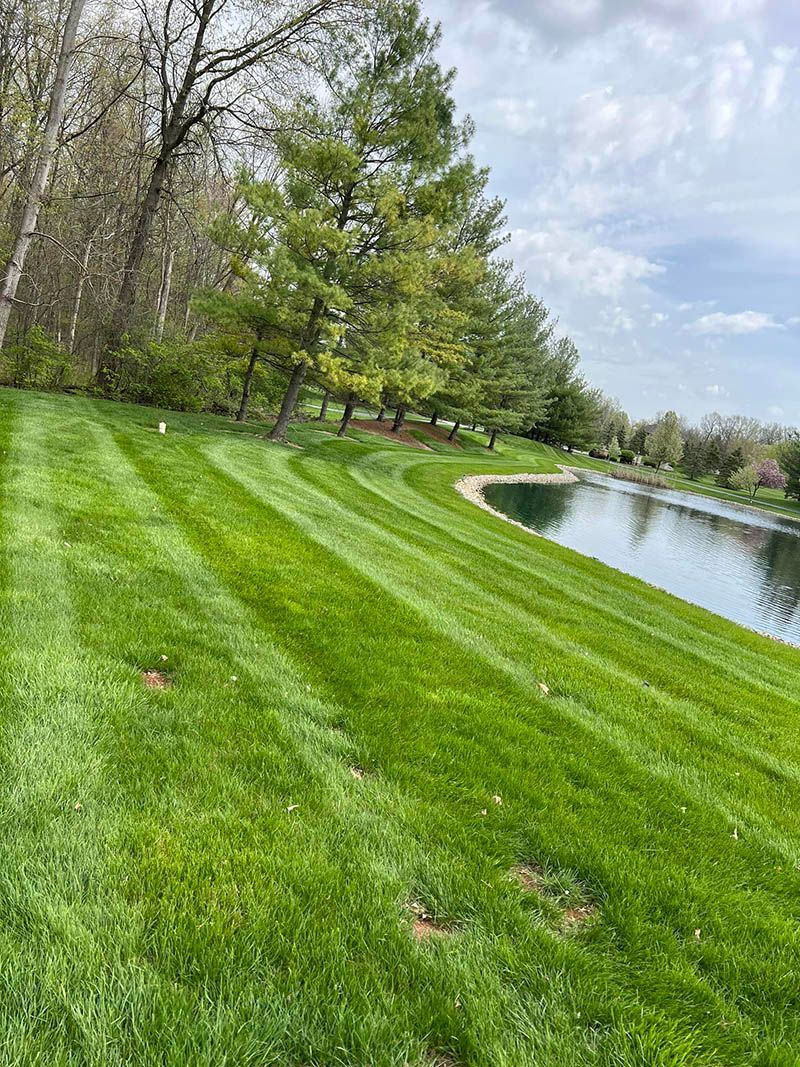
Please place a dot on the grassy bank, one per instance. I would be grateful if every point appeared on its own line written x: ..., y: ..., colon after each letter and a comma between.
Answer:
x: 380, y: 703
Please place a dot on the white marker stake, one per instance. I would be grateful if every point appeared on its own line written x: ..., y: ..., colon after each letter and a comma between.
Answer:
x: 162, y: 427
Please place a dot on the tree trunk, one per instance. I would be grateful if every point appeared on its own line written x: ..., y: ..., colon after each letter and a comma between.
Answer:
x: 241, y: 414
x: 323, y: 411
x: 474, y: 427
x: 399, y: 418
x: 381, y: 415
x: 120, y: 321
x: 349, y: 408
x: 278, y: 432
x: 163, y: 294
x: 30, y: 214
x: 434, y: 418
x: 456, y: 427
x: 492, y: 440
x: 76, y: 303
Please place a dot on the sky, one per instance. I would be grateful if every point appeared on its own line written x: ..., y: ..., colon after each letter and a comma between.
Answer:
x: 649, y: 152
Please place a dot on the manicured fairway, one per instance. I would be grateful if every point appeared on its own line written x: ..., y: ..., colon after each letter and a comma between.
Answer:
x: 202, y: 875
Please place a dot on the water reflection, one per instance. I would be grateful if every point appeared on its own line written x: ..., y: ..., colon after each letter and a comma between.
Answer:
x: 744, y: 565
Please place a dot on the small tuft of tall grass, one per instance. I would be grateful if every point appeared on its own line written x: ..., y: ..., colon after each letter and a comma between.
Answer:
x: 639, y: 476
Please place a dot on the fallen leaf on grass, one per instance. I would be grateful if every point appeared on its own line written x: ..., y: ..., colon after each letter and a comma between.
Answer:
x: 544, y: 688
x: 292, y: 807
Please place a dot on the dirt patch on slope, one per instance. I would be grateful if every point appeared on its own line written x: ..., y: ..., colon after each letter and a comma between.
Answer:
x: 572, y: 902
x: 424, y: 925
x: 384, y: 429
x: 156, y: 680
x: 438, y: 433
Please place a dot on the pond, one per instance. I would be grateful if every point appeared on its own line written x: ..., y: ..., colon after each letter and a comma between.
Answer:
x: 743, y: 565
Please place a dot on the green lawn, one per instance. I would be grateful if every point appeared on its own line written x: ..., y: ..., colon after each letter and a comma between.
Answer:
x: 196, y: 876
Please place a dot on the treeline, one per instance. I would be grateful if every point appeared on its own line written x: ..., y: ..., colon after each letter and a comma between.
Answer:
x: 737, y: 451
x: 219, y: 204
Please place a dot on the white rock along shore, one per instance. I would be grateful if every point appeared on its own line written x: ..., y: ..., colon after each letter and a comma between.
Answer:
x: 472, y: 486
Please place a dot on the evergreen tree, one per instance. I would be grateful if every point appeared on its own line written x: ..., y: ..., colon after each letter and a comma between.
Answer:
x: 695, y: 462
x: 638, y: 439
x: 573, y: 409
x: 789, y: 458
x: 731, y: 463
x: 509, y: 355
x: 346, y: 231
x: 713, y: 457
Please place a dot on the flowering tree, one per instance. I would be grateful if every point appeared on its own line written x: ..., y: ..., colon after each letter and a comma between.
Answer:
x: 766, y: 474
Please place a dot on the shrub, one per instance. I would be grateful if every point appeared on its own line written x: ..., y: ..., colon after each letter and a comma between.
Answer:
x: 626, y: 455
x: 181, y: 375
x: 598, y: 453
x: 37, y: 361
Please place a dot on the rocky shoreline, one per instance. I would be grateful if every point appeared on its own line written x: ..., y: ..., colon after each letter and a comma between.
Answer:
x: 472, y: 486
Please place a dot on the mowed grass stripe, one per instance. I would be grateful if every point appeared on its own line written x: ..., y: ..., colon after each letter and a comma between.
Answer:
x: 64, y: 974
x: 268, y: 526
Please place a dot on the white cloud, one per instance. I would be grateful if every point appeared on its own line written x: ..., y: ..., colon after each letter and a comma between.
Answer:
x: 715, y: 390
x: 605, y: 127
x: 559, y: 255
x: 732, y: 69
x: 742, y: 322
x: 774, y: 77
x: 519, y: 116
x: 576, y: 18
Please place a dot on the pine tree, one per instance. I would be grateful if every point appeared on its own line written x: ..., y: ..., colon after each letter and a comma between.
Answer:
x: 713, y: 458
x: 731, y: 463
x: 789, y: 458
x: 366, y: 179
x: 638, y: 439
x: 509, y: 355
x: 695, y: 462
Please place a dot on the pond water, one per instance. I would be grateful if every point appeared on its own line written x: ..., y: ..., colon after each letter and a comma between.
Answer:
x: 743, y: 565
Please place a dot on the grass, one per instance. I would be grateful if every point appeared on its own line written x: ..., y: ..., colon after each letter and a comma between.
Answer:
x: 195, y: 875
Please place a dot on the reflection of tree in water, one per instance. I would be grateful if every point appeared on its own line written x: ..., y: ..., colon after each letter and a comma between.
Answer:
x: 542, y: 507
x: 644, y: 507
x: 779, y: 562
